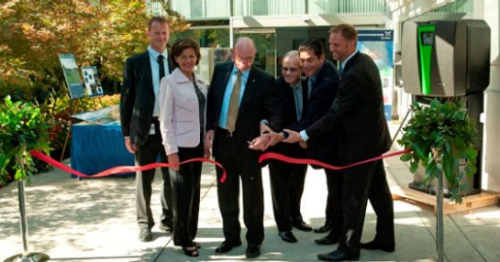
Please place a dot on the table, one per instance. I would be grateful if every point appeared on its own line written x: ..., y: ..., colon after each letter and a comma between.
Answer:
x: 95, y: 148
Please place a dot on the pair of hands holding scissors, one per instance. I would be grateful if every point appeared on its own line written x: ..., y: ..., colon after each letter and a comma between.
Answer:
x: 269, y: 138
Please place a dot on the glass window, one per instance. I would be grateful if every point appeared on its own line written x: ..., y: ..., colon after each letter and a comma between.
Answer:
x: 196, y: 9
x: 202, y: 9
x: 258, y: 7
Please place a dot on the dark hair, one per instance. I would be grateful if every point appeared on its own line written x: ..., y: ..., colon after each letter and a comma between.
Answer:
x: 182, y: 44
x: 158, y: 19
x: 347, y: 31
x: 314, y: 45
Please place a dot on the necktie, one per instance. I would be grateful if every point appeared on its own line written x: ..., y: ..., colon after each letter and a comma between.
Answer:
x: 298, y: 101
x: 310, y: 84
x: 162, y: 66
x: 341, y: 69
x: 234, y: 104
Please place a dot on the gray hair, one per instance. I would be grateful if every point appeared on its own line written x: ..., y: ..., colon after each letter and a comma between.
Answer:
x: 292, y: 53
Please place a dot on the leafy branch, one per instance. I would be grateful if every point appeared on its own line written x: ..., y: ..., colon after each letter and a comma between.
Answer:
x: 443, y: 140
x: 22, y: 128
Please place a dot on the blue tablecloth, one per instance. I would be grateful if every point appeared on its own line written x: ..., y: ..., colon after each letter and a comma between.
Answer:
x: 95, y: 148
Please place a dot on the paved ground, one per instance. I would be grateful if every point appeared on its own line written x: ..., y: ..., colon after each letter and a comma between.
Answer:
x: 94, y: 220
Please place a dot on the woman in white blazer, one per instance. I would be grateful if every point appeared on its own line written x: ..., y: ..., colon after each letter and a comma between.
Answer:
x: 182, y: 122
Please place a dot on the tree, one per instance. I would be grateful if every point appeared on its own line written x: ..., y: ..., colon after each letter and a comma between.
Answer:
x: 101, y: 33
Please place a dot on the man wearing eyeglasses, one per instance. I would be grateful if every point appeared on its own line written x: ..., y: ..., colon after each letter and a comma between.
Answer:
x: 322, y: 85
x: 287, y: 180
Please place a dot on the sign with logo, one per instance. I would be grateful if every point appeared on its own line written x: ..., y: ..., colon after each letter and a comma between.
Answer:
x: 379, y: 45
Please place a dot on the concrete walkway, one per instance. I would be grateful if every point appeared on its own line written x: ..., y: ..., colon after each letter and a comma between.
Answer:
x: 94, y: 220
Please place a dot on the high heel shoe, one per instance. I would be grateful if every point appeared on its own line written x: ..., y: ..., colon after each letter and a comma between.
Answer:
x: 191, y: 252
x: 197, y: 244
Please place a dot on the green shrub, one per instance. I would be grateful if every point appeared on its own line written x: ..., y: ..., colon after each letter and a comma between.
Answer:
x: 23, y: 128
x: 443, y: 140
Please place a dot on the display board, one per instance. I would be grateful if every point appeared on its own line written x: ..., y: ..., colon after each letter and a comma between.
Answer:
x: 92, y: 82
x: 72, y: 76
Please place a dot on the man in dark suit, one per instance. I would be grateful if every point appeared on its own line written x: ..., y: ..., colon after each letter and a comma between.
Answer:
x: 323, y: 82
x: 139, y: 111
x: 239, y: 98
x: 287, y: 180
x: 358, y: 114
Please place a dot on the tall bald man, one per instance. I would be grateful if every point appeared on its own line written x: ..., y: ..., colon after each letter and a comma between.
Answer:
x: 239, y: 98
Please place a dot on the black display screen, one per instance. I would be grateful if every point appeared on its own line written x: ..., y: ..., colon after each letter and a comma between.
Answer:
x: 427, y: 38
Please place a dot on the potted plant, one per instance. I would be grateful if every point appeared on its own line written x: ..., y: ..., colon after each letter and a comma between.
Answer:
x: 443, y: 140
x: 23, y: 128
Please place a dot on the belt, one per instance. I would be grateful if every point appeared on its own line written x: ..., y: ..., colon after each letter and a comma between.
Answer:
x: 224, y: 132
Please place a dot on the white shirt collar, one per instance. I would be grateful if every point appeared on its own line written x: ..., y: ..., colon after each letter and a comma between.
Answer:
x: 347, y: 59
x: 155, y: 53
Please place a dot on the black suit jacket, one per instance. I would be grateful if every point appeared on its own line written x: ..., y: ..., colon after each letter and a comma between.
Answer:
x: 137, y: 98
x: 289, y: 116
x: 357, y: 113
x: 321, y: 98
x: 260, y: 101
x: 324, y: 91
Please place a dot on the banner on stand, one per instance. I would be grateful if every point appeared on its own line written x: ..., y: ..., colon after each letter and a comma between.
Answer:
x: 72, y: 75
x: 92, y: 82
x: 379, y: 45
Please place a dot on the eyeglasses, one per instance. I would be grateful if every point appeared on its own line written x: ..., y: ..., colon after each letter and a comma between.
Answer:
x: 291, y: 69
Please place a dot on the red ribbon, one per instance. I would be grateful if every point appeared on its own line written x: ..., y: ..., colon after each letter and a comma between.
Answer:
x: 265, y: 156
x: 121, y: 169
x: 292, y: 160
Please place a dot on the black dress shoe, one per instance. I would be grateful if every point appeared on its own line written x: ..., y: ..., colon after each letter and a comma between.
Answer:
x: 225, y: 247
x: 328, y: 240
x: 287, y: 236
x: 325, y: 228
x: 302, y: 226
x: 253, y: 251
x: 338, y: 255
x: 377, y: 245
x: 145, y: 235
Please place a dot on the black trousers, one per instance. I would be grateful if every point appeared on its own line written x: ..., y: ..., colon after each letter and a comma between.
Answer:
x: 148, y: 154
x: 287, y: 186
x: 186, y: 195
x: 363, y: 182
x: 230, y: 155
x: 334, y: 206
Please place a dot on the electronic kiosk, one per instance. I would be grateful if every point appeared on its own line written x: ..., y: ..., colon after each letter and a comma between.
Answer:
x: 448, y: 59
